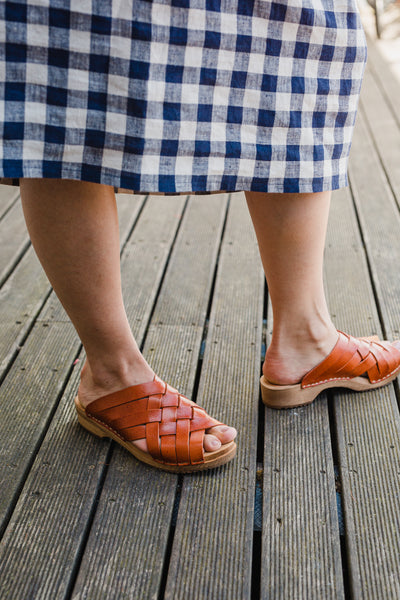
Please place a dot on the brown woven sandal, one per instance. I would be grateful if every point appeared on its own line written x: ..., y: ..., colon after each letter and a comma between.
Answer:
x: 172, y: 425
x: 359, y: 364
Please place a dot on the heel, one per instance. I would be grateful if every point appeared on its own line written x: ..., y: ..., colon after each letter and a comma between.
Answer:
x: 285, y: 396
x: 88, y: 423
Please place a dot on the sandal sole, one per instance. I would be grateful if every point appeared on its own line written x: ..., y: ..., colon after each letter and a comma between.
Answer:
x: 292, y: 396
x: 211, y: 459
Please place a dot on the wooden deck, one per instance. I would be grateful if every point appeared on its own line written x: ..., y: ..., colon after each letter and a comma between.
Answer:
x: 310, y: 508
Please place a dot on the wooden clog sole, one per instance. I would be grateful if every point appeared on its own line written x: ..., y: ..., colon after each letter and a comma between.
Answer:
x: 292, y: 396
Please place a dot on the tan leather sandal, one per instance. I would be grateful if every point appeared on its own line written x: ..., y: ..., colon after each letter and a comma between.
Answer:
x: 172, y: 425
x: 359, y: 364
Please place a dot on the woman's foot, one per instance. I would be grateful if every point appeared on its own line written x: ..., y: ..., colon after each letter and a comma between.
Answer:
x: 359, y: 364
x: 91, y: 389
x: 288, y: 360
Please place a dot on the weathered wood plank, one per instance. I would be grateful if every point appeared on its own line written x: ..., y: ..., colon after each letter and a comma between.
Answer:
x: 389, y: 83
x: 300, y: 544
x: 70, y: 463
x: 380, y: 222
x: 212, y: 550
x: 185, y: 300
x: 380, y: 225
x: 35, y: 553
x: 8, y: 196
x: 21, y: 299
x: 28, y: 396
x: 137, y: 534
x: 14, y: 240
x: 367, y: 425
x: 384, y: 129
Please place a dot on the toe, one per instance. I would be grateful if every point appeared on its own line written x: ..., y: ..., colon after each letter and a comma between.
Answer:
x: 141, y: 444
x: 224, y: 433
x: 211, y: 443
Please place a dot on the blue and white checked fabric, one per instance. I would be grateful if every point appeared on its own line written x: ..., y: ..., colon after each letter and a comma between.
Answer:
x: 180, y: 95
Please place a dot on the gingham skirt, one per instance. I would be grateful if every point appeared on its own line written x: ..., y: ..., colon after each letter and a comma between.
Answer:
x: 180, y: 95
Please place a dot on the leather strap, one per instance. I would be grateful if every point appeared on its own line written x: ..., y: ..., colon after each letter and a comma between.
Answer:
x: 354, y: 357
x: 172, y: 425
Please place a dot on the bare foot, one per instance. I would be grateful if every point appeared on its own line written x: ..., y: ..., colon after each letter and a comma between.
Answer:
x: 89, y: 391
x: 288, y: 366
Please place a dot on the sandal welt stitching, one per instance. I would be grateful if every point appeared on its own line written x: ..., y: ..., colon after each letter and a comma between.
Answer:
x: 348, y: 378
x: 92, y: 418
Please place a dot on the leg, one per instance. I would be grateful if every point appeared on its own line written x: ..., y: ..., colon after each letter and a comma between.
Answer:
x: 291, y: 231
x: 74, y: 229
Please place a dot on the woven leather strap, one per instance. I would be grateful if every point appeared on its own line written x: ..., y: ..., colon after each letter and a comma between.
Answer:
x: 172, y: 425
x: 354, y: 357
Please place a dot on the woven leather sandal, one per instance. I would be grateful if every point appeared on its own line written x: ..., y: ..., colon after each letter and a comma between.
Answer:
x: 356, y: 363
x: 172, y: 425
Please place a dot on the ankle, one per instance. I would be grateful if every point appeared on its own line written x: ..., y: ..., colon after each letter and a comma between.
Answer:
x: 103, y: 379
x: 302, y: 328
